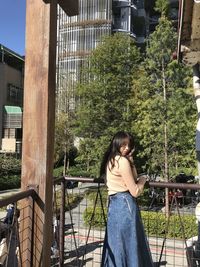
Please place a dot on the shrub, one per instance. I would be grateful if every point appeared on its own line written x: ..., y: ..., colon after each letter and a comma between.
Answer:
x: 9, y: 182
x: 58, y: 172
x: 9, y: 165
x: 91, y: 194
x: 78, y: 171
x: 95, y: 219
x: 71, y: 200
x: 75, y: 171
x: 154, y: 223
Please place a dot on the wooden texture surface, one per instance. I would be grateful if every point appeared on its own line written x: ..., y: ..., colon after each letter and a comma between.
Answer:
x: 38, y: 129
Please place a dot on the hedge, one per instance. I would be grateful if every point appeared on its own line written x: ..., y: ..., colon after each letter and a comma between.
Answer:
x: 71, y: 201
x: 97, y: 220
x: 73, y: 171
x: 9, y: 182
x: 154, y: 222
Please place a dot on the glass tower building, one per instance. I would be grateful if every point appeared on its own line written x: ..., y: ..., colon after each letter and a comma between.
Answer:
x: 79, y: 35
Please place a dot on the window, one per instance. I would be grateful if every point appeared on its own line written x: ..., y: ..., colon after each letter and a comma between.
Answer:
x: 14, y: 94
x: 9, y: 133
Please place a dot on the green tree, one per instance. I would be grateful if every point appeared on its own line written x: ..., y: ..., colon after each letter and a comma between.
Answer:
x: 162, y: 6
x: 104, y: 94
x: 164, y: 106
x: 63, y: 139
x: 64, y: 136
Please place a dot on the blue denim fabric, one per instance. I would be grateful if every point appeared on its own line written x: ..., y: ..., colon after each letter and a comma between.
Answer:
x: 125, y: 243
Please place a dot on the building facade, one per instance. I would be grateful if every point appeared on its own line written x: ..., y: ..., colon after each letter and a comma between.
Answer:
x: 79, y: 35
x: 11, y: 100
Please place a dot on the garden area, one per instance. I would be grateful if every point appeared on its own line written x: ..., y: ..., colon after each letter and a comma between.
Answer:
x: 142, y: 90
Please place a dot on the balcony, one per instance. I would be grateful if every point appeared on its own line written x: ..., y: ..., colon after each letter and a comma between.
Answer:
x: 79, y: 217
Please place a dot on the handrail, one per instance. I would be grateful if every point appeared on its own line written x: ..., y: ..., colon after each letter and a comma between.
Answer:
x: 174, y: 185
x: 78, y: 179
x: 16, y: 197
x: 21, y: 195
x: 85, y: 179
x: 169, y: 185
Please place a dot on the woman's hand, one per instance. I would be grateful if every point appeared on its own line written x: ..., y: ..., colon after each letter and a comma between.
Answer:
x: 142, y: 179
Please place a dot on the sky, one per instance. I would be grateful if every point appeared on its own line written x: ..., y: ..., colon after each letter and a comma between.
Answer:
x: 12, y: 21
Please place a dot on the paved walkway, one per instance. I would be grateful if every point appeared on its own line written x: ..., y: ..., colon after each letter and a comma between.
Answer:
x: 174, y: 253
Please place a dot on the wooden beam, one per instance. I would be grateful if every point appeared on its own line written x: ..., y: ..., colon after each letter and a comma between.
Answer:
x: 187, y: 20
x: 38, y: 130
x: 189, y: 33
x: 70, y: 7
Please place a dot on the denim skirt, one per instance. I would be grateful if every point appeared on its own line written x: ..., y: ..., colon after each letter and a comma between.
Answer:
x: 125, y: 243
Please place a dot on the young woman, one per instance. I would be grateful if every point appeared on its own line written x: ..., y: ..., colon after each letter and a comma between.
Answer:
x: 125, y: 243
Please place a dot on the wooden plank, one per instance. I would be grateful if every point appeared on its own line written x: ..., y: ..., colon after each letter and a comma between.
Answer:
x: 70, y: 7
x: 189, y: 33
x: 187, y: 20
x: 195, y: 35
x: 38, y: 130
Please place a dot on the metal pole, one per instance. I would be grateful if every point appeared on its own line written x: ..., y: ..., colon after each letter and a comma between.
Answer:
x: 196, y: 86
x: 62, y: 225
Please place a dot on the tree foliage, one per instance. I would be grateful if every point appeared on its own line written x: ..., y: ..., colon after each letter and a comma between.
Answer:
x: 104, y: 96
x: 10, y: 170
x: 120, y: 90
x: 162, y: 95
x: 162, y: 6
x: 107, y: 87
x: 63, y: 136
x: 9, y: 165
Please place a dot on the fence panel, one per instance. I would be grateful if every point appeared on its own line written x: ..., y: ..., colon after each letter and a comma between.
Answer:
x: 173, y: 239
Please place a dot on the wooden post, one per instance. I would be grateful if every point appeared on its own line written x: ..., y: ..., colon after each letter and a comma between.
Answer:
x: 196, y: 86
x: 38, y: 130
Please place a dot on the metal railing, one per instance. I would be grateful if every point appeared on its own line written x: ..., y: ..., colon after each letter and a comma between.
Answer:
x: 80, y: 206
x: 173, y: 239
x: 10, y: 243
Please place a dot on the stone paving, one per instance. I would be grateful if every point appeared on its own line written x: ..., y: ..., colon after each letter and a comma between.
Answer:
x: 173, y: 254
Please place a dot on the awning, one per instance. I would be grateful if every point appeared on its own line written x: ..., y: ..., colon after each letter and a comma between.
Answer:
x: 13, y: 109
x: 12, y: 117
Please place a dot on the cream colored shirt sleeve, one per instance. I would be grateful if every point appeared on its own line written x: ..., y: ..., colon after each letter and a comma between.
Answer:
x: 125, y: 171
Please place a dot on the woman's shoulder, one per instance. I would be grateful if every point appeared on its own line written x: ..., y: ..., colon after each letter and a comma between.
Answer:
x: 121, y: 159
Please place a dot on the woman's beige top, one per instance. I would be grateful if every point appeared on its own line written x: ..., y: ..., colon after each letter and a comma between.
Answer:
x: 123, y: 178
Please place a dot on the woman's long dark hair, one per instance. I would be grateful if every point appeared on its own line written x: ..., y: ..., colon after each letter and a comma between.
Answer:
x: 114, y: 149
